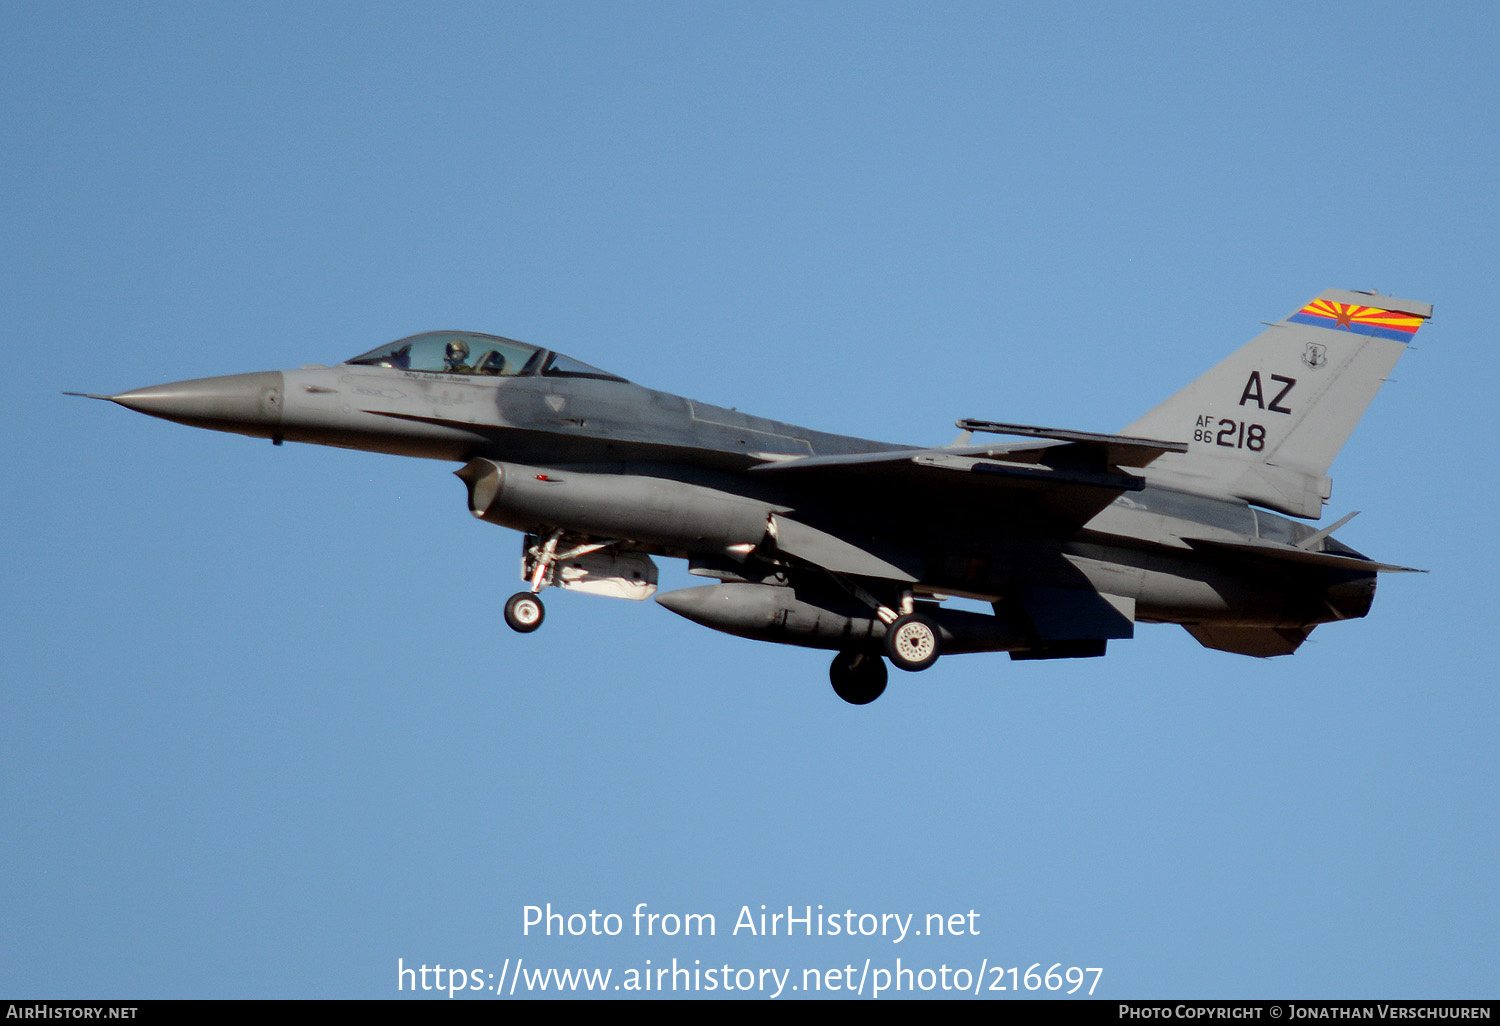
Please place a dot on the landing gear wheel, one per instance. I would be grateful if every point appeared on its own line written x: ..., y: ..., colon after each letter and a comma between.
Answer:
x: 912, y: 642
x: 858, y: 677
x: 524, y: 612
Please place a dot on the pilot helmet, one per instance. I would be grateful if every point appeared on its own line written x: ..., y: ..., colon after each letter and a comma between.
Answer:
x: 458, y: 351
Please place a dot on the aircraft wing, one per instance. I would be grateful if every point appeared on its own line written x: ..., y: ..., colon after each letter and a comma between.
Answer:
x: 1064, y: 477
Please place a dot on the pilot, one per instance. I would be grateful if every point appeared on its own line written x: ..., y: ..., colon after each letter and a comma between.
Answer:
x: 453, y: 359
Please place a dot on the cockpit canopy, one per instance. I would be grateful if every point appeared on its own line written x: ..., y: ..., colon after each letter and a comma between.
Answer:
x: 468, y: 352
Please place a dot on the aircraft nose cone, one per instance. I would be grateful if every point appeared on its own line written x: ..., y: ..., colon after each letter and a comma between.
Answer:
x: 248, y: 404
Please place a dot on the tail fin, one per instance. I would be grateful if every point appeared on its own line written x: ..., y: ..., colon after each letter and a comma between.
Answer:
x: 1266, y: 423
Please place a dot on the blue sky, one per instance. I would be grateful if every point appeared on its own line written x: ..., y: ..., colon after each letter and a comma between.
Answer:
x: 265, y: 732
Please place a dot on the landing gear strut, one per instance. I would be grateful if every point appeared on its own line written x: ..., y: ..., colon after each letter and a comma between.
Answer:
x: 524, y: 611
x: 858, y: 677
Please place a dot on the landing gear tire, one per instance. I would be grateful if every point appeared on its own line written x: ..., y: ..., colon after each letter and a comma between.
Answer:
x: 858, y: 677
x: 524, y: 612
x: 912, y: 642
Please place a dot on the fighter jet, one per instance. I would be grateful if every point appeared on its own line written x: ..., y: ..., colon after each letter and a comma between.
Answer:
x: 825, y: 541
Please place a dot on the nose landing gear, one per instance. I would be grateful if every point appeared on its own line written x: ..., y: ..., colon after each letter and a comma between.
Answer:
x: 524, y: 612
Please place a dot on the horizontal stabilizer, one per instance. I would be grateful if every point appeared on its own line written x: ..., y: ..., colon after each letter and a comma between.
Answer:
x: 1291, y: 554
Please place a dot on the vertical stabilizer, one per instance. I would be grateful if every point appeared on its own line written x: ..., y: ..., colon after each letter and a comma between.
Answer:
x: 1266, y: 423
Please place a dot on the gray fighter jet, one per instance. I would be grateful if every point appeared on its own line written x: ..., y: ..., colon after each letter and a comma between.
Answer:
x: 840, y: 543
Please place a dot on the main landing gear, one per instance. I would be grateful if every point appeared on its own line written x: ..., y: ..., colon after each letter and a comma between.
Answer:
x: 912, y: 643
x: 858, y: 677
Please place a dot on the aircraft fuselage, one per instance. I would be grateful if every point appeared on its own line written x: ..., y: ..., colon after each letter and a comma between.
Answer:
x: 672, y: 476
